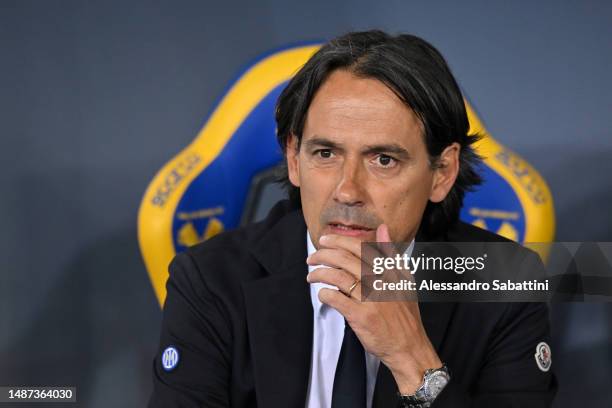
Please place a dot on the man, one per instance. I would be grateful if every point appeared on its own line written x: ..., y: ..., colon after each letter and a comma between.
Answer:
x: 374, y: 131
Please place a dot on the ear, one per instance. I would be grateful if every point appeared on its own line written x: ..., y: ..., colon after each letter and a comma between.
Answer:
x: 445, y: 172
x: 293, y: 164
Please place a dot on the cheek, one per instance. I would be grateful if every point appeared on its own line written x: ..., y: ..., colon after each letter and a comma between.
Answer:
x: 315, y: 188
x: 402, y: 206
x: 315, y: 179
x: 403, y: 193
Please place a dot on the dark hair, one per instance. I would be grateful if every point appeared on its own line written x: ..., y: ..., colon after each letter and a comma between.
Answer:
x: 418, y: 74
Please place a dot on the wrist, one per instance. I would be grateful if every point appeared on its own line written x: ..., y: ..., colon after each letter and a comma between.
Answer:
x: 434, y: 381
x: 408, y: 373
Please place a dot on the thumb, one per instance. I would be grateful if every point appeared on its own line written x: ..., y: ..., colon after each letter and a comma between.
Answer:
x: 382, y: 233
x: 383, y: 237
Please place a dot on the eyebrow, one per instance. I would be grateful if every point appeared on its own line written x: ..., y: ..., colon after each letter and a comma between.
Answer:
x: 393, y: 148
x: 388, y: 148
x: 318, y: 141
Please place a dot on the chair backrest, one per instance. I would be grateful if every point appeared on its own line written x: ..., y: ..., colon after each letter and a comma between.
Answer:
x: 223, y: 178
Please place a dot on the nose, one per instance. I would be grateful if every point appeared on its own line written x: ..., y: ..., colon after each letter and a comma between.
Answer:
x: 350, y: 189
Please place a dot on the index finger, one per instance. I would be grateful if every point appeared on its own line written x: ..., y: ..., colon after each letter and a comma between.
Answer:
x: 350, y: 244
x: 384, y: 247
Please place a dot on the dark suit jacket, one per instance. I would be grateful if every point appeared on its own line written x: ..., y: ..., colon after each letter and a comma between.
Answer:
x: 239, y: 312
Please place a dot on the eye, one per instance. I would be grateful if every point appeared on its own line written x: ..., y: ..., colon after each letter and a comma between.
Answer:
x: 385, y: 161
x: 323, y: 153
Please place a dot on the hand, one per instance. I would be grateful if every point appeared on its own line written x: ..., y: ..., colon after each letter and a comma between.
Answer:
x: 392, y: 331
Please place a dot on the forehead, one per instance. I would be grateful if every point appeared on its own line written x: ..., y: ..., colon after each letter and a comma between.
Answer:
x: 360, y: 109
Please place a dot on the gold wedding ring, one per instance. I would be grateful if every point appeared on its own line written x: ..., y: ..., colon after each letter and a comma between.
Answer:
x: 353, y: 286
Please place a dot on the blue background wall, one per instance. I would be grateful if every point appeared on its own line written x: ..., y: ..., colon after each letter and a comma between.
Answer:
x: 96, y: 96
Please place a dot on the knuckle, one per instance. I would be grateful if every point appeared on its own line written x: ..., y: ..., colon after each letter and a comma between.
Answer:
x: 346, y: 257
x: 323, y: 295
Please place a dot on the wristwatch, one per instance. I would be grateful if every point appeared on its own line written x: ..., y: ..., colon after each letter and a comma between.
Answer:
x: 434, y: 380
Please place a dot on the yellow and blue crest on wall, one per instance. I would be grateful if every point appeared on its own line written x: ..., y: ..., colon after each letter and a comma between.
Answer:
x: 204, y: 189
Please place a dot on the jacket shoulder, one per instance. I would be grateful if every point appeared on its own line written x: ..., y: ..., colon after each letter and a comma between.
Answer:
x: 464, y: 232
x: 508, y: 254
x: 228, y: 256
x: 239, y: 239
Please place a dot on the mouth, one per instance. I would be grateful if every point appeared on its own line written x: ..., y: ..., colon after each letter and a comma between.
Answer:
x: 348, y: 229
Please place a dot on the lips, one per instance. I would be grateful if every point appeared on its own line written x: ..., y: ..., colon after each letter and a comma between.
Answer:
x: 349, y: 230
x: 349, y: 227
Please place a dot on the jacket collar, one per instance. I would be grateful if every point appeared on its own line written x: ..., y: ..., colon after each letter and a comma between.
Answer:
x: 281, y: 243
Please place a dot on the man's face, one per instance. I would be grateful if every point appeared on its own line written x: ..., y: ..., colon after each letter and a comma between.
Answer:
x: 363, y: 162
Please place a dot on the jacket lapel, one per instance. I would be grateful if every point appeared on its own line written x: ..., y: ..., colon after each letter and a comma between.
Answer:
x: 280, y: 315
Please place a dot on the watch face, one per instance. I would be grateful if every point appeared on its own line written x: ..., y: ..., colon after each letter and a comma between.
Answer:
x: 436, y: 383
